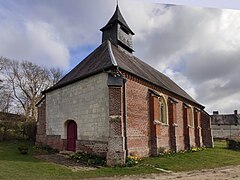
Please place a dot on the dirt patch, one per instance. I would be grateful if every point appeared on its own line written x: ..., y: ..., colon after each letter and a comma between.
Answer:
x: 64, y: 160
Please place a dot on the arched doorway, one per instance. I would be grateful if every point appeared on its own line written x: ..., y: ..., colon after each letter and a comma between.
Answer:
x: 71, y: 135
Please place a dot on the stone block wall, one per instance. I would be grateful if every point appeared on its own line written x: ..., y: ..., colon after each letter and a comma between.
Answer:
x: 225, y: 131
x: 85, y: 102
x: 41, y: 123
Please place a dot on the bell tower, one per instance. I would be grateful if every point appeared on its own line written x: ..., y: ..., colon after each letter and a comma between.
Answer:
x: 118, y: 32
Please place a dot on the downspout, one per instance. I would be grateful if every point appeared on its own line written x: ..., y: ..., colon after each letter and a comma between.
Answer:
x: 125, y: 115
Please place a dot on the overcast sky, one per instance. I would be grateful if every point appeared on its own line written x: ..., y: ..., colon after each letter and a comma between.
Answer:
x: 196, y: 46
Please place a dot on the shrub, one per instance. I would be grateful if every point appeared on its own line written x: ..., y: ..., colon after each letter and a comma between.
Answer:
x: 30, y: 129
x: 90, y: 159
x: 132, y: 161
x: 44, y: 149
x: 23, y: 149
x: 197, y: 149
x: 161, y: 150
x: 233, y: 143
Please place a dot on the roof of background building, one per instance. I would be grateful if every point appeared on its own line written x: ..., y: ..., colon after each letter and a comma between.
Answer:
x: 225, y: 119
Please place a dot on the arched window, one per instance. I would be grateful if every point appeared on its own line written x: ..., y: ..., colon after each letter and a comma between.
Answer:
x: 163, y: 114
x: 191, y: 117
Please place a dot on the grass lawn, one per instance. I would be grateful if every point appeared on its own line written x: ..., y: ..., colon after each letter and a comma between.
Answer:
x: 208, y: 158
x: 13, y: 165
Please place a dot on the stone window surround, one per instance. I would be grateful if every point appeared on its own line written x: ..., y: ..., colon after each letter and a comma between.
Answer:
x: 163, y: 118
x: 190, y: 116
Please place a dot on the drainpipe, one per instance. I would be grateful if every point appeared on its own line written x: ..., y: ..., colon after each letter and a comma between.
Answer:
x: 125, y: 115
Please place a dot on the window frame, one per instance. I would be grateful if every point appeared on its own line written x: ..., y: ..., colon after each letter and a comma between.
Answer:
x: 191, y: 117
x: 163, y: 110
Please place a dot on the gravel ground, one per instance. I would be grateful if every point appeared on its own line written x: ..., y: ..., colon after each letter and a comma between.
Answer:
x: 224, y: 173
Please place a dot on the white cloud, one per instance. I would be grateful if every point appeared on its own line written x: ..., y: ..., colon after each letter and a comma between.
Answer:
x: 45, y: 44
x: 37, y: 42
x: 196, y: 47
x: 182, y: 81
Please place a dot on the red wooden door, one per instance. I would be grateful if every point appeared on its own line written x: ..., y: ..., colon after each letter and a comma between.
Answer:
x: 71, y: 136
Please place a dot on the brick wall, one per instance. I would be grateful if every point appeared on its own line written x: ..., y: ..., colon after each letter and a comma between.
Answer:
x: 93, y: 147
x: 180, y: 126
x: 197, y: 127
x: 172, y: 120
x: 138, y: 118
x: 206, y: 130
x: 41, y: 124
x: 116, y: 154
x: 186, y: 128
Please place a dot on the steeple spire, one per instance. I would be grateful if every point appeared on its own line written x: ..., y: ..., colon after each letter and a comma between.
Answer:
x: 118, y: 31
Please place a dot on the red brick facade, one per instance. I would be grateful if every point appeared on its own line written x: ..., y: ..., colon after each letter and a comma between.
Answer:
x: 184, y: 128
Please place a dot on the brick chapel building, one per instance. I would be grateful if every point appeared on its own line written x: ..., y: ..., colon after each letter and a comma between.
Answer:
x: 114, y: 104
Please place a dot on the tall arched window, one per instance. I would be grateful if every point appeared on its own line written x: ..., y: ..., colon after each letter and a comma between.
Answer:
x: 163, y: 114
x: 191, y: 116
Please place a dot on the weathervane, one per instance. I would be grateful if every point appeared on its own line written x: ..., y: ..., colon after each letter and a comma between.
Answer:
x: 117, y: 2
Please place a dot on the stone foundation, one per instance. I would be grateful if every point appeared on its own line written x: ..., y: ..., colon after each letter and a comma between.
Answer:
x: 92, y: 147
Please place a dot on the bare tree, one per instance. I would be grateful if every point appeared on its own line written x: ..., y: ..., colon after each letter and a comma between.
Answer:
x: 5, y: 93
x: 27, y: 80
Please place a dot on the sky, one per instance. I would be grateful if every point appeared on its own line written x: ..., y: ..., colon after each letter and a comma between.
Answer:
x: 196, y: 44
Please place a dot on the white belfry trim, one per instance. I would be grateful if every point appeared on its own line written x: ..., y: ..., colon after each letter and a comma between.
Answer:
x: 114, y: 62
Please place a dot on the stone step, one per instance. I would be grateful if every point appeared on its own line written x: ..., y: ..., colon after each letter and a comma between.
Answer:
x: 66, y: 152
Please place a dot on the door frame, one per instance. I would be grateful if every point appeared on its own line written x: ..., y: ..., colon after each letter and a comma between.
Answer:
x: 71, y: 129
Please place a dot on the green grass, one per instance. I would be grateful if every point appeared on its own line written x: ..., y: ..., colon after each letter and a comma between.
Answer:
x: 208, y: 158
x: 13, y: 165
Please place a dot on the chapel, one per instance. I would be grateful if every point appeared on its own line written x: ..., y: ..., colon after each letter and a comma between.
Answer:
x: 115, y: 105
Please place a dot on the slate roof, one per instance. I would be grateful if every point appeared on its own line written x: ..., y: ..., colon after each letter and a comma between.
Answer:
x: 226, y: 119
x: 117, y: 17
x: 107, y: 56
